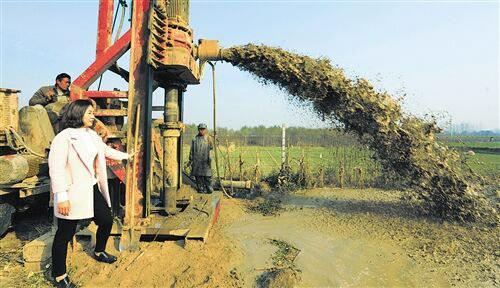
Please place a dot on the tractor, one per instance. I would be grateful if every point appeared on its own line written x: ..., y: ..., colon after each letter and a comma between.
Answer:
x: 25, y: 137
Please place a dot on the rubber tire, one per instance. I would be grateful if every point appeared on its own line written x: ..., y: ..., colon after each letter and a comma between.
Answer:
x: 6, y: 211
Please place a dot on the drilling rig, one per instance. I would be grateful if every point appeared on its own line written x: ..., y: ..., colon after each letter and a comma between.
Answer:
x: 162, y: 55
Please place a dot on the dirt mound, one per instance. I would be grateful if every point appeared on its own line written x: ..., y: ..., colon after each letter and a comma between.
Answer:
x: 284, y: 273
x: 165, y: 264
x: 402, y: 143
x: 282, y: 277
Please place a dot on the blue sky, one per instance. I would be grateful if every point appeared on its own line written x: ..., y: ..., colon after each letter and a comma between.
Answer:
x: 444, y: 55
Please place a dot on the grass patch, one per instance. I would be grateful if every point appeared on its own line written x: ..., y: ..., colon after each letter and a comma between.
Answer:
x: 485, y: 164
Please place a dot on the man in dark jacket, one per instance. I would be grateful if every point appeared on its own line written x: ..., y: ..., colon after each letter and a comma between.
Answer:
x: 200, y: 160
x: 53, y: 98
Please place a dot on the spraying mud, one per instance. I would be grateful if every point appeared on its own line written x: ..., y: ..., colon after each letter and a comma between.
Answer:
x: 402, y: 143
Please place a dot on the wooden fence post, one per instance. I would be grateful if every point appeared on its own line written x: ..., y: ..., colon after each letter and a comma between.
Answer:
x: 341, y: 174
x: 241, y: 167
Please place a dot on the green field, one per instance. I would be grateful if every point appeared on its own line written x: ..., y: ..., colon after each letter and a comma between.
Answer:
x: 472, y: 145
x: 347, y: 160
x: 486, y: 158
x: 486, y: 164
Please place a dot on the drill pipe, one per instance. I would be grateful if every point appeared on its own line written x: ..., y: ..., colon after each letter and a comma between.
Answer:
x: 171, y: 149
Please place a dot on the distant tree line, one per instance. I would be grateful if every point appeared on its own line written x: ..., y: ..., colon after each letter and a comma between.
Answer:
x: 272, y: 136
x: 300, y: 136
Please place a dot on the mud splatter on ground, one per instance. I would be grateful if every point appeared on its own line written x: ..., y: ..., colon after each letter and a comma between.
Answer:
x: 346, y: 238
x: 367, y: 238
x: 402, y: 143
x: 284, y: 273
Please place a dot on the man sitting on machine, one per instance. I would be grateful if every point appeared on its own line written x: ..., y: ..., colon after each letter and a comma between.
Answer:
x: 54, y: 98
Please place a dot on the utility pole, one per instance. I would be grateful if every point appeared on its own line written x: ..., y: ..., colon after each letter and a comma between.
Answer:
x: 283, y: 145
x: 451, y: 127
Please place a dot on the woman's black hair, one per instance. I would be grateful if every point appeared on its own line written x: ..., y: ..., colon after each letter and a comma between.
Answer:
x: 73, y: 114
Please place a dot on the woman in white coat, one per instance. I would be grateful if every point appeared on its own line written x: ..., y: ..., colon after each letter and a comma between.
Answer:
x: 77, y: 169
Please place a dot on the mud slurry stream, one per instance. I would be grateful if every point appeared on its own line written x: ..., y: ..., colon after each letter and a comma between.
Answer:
x: 361, y: 239
x: 402, y: 143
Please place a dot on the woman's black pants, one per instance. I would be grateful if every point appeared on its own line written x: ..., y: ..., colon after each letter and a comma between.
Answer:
x: 66, y: 229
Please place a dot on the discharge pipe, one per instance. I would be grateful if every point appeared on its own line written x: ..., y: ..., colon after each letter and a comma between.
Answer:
x: 209, y: 50
x: 236, y: 184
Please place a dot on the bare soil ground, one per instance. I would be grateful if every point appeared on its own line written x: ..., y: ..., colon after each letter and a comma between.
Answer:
x: 322, y: 237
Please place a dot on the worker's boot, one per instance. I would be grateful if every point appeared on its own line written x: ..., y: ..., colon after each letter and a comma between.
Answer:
x: 104, y: 257
x: 208, y: 185
x: 200, y: 185
x: 65, y: 283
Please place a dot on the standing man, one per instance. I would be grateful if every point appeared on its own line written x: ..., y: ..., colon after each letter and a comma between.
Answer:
x: 53, y: 98
x: 200, y: 160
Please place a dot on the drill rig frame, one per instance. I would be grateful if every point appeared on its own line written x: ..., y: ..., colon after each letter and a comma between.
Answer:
x: 162, y: 55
